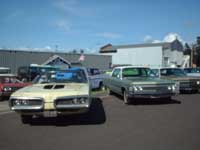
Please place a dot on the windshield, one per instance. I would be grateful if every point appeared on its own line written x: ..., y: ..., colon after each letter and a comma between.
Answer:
x: 172, y: 71
x: 192, y: 70
x: 135, y: 72
x: 77, y: 76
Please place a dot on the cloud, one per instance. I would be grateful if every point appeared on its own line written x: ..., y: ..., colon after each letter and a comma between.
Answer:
x: 148, y: 39
x: 63, y: 25
x: 109, y: 35
x: 170, y: 37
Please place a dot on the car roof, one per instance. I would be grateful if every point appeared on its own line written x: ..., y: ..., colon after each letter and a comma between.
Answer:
x: 4, y: 68
x: 122, y: 67
x: 167, y: 68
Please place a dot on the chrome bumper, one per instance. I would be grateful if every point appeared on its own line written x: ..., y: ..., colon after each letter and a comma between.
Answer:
x: 80, y: 106
x: 152, y: 94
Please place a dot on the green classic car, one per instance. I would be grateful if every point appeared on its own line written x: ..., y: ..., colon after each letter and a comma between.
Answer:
x: 186, y: 83
x: 135, y: 82
x: 62, y: 93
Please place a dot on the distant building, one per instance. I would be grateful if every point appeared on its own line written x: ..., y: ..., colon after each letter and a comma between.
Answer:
x: 16, y: 58
x: 149, y: 54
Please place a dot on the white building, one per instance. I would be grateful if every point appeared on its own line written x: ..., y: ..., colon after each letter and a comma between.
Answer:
x: 149, y: 54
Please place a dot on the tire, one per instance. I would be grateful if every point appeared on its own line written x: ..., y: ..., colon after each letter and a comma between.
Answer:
x: 108, y: 91
x: 101, y: 86
x: 25, y: 119
x: 126, y: 98
x: 168, y: 98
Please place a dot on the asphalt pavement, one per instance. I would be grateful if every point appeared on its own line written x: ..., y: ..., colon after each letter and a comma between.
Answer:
x: 111, y: 125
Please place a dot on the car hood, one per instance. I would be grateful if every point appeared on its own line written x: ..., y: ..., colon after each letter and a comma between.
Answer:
x: 149, y: 81
x: 52, y: 91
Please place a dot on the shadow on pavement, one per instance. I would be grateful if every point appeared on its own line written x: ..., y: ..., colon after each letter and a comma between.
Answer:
x: 96, y: 115
x: 154, y: 101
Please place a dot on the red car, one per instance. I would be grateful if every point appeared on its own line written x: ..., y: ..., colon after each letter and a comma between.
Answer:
x: 9, y: 84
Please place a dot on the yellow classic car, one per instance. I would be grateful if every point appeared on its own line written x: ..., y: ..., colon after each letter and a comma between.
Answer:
x: 61, y: 93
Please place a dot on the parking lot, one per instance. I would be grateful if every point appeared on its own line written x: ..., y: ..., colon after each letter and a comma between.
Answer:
x: 152, y: 125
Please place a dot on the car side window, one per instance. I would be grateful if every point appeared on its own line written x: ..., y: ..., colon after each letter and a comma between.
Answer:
x: 163, y: 72
x: 116, y: 73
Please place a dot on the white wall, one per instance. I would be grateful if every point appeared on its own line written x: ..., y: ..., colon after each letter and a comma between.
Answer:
x: 175, y: 57
x: 148, y: 56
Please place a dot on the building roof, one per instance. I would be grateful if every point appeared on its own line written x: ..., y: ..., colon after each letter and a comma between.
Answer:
x: 176, y: 44
x: 55, y: 59
x: 131, y: 66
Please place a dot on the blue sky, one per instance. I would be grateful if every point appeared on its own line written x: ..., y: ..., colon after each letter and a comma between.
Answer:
x: 89, y: 24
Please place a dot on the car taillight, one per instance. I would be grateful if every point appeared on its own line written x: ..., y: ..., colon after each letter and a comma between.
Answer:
x: 1, y: 87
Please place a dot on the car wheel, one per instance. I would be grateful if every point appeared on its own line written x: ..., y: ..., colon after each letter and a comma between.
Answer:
x: 168, y: 98
x: 101, y: 86
x: 109, y: 91
x: 126, y: 97
x: 26, y: 119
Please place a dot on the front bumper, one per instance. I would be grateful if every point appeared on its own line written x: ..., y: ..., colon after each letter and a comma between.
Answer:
x: 5, y: 94
x: 152, y: 94
x: 41, y: 109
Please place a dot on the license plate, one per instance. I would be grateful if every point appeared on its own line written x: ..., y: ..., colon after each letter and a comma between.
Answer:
x: 50, y: 114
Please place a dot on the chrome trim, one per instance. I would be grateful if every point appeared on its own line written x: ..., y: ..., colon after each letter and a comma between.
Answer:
x: 74, y: 106
x: 26, y: 107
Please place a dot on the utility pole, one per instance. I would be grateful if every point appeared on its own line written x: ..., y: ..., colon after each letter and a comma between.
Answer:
x: 56, y: 48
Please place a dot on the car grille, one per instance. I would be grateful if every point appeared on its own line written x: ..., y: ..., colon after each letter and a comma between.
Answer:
x: 155, y: 89
x: 188, y: 84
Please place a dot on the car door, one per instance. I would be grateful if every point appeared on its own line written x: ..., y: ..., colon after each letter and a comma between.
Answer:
x: 116, y: 80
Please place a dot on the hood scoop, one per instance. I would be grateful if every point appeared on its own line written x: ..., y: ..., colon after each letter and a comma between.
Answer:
x: 48, y: 87
x: 59, y: 86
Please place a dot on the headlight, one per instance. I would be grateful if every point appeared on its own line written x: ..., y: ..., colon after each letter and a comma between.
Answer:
x: 20, y: 102
x: 135, y: 88
x: 173, y: 87
x: 17, y: 102
x: 138, y: 88
x: 7, y: 89
x: 131, y: 89
x: 198, y: 82
x: 169, y: 87
x: 81, y: 100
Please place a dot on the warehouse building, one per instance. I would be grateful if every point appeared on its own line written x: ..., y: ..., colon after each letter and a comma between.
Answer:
x: 163, y: 54
x: 16, y: 58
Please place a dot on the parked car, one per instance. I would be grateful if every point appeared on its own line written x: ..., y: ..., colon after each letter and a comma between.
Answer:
x: 9, y: 84
x: 95, y: 78
x: 28, y: 73
x: 193, y: 72
x: 62, y: 93
x: 134, y: 82
x: 186, y: 83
